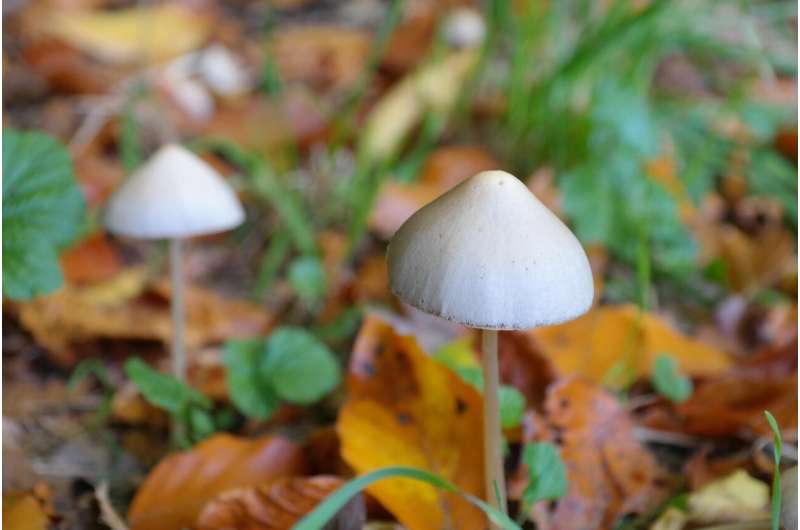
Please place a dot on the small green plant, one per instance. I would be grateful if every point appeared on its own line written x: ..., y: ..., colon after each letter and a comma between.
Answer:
x: 668, y: 381
x: 325, y: 511
x: 43, y: 212
x: 547, y: 477
x: 307, y: 278
x: 190, y: 410
x: 776, y: 476
x: 94, y: 368
x: 291, y: 365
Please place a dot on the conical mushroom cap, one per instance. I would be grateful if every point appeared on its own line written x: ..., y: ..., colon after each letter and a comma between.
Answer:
x: 174, y: 195
x: 489, y: 255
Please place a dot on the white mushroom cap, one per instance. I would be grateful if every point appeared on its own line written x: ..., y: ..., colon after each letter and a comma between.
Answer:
x: 173, y: 195
x: 464, y: 27
x: 489, y: 255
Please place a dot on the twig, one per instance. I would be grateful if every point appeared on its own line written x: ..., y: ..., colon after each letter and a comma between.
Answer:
x: 108, y: 515
x: 667, y: 438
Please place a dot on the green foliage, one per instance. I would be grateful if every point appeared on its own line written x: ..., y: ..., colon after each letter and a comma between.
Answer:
x: 43, y: 211
x: 326, y: 510
x: 668, y: 381
x: 251, y: 393
x: 512, y: 406
x: 308, y: 279
x: 776, y: 476
x: 291, y: 365
x: 547, y: 477
x: 189, y: 409
x: 300, y: 368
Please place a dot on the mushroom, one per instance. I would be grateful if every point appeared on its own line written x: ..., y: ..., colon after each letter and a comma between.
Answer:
x: 174, y: 195
x: 489, y: 255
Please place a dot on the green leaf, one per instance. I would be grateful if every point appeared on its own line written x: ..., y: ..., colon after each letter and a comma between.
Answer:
x: 326, y: 510
x: 249, y: 390
x: 512, y: 406
x: 668, y: 381
x: 201, y: 423
x: 547, y: 477
x: 307, y: 278
x: 162, y: 390
x: 776, y: 477
x: 43, y: 211
x: 300, y: 368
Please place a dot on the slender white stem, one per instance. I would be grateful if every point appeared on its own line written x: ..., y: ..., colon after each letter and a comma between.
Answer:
x: 178, y: 316
x: 492, y: 435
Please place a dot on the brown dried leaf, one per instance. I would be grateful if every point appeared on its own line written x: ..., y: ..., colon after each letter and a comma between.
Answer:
x: 733, y: 403
x: 609, y: 473
x: 274, y: 506
x: 123, y: 308
x: 324, y: 56
x: 174, y: 493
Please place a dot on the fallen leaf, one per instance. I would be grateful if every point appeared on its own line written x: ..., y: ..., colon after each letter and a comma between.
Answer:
x: 432, y: 87
x: 269, y: 126
x: 732, y: 403
x: 174, y: 493
x: 615, y: 345
x: 126, y: 308
x: 275, y: 506
x: 406, y: 409
x: 139, y: 33
x: 736, y: 498
x: 24, y: 512
x: 412, y: 37
x: 67, y: 70
x: 523, y: 366
x: 444, y: 168
x: 324, y: 56
x: 28, y: 510
x: 93, y: 260
x: 609, y: 473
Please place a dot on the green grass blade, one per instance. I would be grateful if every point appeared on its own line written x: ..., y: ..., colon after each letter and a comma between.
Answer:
x: 776, y: 477
x: 331, y: 506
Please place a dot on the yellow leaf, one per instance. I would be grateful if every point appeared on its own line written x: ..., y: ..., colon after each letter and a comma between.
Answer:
x: 737, y: 497
x: 433, y: 87
x: 406, y: 409
x: 128, y: 35
x: 23, y: 512
x: 615, y: 345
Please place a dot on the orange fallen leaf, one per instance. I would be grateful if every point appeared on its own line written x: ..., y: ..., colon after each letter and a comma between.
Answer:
x: 275, y: 506
x: 174, y: 493
x: 407, y: 409
x: 92, y: 260
x: 28, y: 510
x: 615, y: 345
x: 609, y: 473
x: 24, y: 512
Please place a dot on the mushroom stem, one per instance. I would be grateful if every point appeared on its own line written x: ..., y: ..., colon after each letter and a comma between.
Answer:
x: 178, y: 316
x: 492, y: 435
